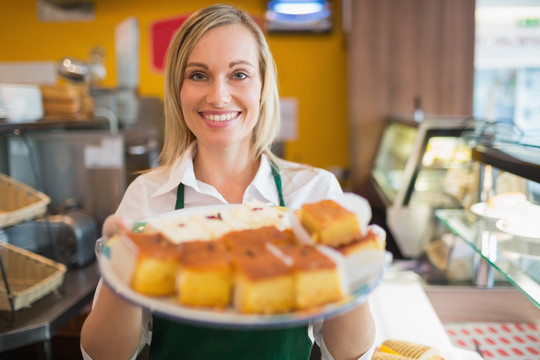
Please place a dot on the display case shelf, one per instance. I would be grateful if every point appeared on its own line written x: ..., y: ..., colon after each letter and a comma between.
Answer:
x: 516, y: 259
x: 514, y: 255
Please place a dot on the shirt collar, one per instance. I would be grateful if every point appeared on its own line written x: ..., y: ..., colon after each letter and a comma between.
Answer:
x: 264, y: 184
x: 262, y: 188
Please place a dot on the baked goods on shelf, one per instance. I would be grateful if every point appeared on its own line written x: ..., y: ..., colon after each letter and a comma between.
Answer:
x: 508, y: 201
x: 68, y: 102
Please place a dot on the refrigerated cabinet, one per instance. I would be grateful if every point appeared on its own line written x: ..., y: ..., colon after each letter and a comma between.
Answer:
x: 420, y: 167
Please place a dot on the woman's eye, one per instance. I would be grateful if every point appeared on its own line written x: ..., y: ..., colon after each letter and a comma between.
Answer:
x: 240, y: 76
x: 197, y: 76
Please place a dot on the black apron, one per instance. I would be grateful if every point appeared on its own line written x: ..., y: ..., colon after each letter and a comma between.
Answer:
x: 175, y: 340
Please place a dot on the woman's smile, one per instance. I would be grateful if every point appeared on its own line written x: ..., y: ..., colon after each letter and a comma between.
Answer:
x: 221, y: 116
x: 219, y: 119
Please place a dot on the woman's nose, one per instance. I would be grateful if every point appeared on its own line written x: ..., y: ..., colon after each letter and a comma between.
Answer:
x: 219, y: 93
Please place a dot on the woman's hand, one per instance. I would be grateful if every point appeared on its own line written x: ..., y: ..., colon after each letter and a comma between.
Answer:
x: 113, y: 328
x: 113, y: 224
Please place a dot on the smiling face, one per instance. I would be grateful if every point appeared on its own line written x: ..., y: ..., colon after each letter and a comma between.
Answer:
x: 221, y: 88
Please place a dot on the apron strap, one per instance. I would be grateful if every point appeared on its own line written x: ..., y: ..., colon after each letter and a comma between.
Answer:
x: 179, y: 197
x: 277, y: 180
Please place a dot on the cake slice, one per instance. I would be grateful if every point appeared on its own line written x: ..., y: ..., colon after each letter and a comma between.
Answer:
x: 257, y: 237
x: 316, y: 276
x: 263, y: 283
x: 156, y: 265
x: 256, y: 214
x: 329, y: 223
x: 180, y: 229
x: 215, y: 223
x: 204, y: 277
x: 370, y: 241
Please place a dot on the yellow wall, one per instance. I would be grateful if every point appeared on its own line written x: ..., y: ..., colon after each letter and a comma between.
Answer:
x: 311, y: 67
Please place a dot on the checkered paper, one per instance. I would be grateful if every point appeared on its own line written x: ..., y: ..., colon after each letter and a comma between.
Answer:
x: 498, y: 341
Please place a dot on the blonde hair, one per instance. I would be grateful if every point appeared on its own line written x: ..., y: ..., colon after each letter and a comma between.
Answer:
x: 177, y: 136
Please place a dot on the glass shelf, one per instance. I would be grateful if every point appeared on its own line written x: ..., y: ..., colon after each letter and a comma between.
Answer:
x: 517, y: 260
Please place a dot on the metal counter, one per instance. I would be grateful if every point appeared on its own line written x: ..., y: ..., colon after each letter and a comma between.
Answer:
x: 45, y: 317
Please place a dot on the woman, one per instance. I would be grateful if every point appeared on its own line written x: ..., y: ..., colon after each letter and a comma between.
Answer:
x: 222, y: 114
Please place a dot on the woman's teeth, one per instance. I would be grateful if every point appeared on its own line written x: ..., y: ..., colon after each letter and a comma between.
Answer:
x: 220, y: 117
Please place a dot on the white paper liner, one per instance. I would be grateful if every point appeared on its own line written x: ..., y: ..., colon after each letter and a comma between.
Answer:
x: 379, y: 232
x: 339, y: 260
x: 362, y: 265
x: 300, y: 232
x: 123, y: 255
x: 359, y: 206
x: 279, y: 254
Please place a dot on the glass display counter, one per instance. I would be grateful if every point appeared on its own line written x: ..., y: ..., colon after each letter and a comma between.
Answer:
x: 503, y: 228
x: 419, y: 168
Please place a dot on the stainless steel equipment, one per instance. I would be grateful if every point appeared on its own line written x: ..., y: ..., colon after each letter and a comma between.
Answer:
x: 72, y: 242
x: 85, y: 168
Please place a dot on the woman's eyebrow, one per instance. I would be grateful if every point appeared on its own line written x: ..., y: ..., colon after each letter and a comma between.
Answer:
x: 231, y: 64
x: 196, y: 64
x: 240, y: 62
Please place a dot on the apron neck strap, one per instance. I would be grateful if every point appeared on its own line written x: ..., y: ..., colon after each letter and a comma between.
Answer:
x: 277, y: 180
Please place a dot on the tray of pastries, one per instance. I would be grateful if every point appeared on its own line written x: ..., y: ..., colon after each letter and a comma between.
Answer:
x: 250, y: 265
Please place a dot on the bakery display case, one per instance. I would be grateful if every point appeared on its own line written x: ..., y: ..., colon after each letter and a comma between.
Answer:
x: 502, y: 227
x: 420, y: 167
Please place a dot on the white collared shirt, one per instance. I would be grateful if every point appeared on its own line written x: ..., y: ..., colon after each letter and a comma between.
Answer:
x: 154, y: 193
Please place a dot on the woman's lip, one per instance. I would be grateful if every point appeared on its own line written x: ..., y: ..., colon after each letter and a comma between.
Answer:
x: 220, y: 116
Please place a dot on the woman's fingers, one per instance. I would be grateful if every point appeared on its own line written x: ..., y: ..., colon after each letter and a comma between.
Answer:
x: 114, y: 224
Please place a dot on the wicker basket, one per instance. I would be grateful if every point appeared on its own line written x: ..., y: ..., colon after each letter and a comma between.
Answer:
x: 19, y: 202
x: 30, y: 276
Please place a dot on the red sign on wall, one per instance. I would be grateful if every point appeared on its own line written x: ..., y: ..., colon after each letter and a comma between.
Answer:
x: 161, y: 33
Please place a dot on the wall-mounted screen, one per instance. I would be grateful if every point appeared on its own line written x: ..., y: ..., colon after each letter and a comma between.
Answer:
x: 298, y: 16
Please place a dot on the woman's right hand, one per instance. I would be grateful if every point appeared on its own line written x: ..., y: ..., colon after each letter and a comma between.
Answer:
x: 113, y: 328
x: 114, y: 224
